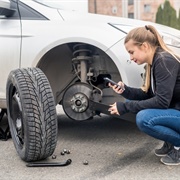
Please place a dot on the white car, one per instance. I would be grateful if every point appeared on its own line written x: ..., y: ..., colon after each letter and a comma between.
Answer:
x: 50, y: 56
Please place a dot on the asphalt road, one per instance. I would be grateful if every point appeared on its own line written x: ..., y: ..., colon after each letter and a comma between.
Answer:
x: 114, y: 149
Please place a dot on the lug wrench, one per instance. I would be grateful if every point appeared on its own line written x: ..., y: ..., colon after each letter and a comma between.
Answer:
x: 49, y: 164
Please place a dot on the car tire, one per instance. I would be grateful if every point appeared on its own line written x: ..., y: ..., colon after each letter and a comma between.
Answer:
x: 31, y: 114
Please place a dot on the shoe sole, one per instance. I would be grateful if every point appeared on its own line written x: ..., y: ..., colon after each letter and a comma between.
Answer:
x: 170, y: 164
x: 160, y: 155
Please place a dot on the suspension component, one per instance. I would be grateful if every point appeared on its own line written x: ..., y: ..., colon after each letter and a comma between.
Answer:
x: 82, y: 56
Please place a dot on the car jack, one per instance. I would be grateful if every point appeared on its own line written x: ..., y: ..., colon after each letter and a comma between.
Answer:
x: 4, y: 134
x: 50, y: 164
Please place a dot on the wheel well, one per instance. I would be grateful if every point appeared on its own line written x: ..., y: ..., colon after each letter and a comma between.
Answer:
x: 57, y: 66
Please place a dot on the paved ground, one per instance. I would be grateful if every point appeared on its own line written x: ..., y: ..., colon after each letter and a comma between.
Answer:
x: 114, y: 148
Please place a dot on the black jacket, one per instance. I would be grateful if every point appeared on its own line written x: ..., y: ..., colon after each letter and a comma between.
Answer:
x: 164, y: 91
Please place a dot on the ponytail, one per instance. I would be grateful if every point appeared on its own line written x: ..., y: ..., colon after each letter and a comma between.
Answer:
x: 161, y: 42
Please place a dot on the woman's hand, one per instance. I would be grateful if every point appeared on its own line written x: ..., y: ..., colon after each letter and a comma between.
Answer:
x: 113, y: 109
x: 118, y: 89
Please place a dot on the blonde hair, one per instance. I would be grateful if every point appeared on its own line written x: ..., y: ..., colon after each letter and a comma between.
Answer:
x: 150, y: 35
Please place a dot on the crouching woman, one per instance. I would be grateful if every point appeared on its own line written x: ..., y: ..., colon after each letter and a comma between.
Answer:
x: 157, y: 103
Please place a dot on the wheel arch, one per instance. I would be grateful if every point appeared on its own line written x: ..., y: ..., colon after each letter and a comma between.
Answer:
x: 56, y: 63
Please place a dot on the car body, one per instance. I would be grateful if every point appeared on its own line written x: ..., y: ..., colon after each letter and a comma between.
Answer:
x: 74, y: 50
x: 44, y: 37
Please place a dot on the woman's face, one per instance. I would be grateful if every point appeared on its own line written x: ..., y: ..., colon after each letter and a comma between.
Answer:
x: 138, y: 53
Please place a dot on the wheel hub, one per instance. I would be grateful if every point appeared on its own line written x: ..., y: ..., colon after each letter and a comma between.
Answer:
x: 79, y: 102
x: 18, y: 124
x: 76, y: 101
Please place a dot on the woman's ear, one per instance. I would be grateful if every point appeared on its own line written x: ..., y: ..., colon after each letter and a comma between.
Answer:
x: 145, y: 46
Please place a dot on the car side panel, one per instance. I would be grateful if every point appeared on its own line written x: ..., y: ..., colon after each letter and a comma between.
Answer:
x: 38, y: 37
x: 10, y: 38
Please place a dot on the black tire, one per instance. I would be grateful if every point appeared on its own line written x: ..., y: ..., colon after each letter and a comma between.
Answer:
x: 31, y: 114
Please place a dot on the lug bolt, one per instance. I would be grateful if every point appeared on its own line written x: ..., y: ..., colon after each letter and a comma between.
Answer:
x: 65, y: 150
x: 85, y: 162
x: 68, y: 152
x: 53, y: 156
x: 62, y: 153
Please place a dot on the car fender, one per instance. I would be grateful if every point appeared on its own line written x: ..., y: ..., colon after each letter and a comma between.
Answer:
x: 131, y: 73
x: 63, y: 34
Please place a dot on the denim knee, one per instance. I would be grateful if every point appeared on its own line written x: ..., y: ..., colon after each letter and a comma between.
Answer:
x: 141, y: 119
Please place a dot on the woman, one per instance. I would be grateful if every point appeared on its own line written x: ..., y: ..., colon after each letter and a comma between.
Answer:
x: 157, y: 103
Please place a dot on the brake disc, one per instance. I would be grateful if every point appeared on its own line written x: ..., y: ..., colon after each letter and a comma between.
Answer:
x: 76, y: 101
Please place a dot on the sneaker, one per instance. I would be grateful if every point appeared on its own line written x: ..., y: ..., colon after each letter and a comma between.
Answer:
x: 172, y: 158
x: 164, y: 150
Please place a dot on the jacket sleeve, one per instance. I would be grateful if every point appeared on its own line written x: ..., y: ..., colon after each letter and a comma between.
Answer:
x: 165, y: 74
x: 134, y: 93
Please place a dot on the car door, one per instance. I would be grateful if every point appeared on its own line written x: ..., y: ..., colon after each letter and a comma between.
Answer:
x: 10, y: 43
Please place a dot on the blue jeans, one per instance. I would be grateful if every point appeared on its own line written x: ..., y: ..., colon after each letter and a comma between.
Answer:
x: 163, y: 124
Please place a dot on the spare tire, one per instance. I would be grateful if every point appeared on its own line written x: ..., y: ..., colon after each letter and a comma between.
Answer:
x: 31, y: 114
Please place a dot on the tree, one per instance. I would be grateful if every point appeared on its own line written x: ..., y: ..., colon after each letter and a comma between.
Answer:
x: 178, y: 20
x: 166, y: 15
x: 159, y: 15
